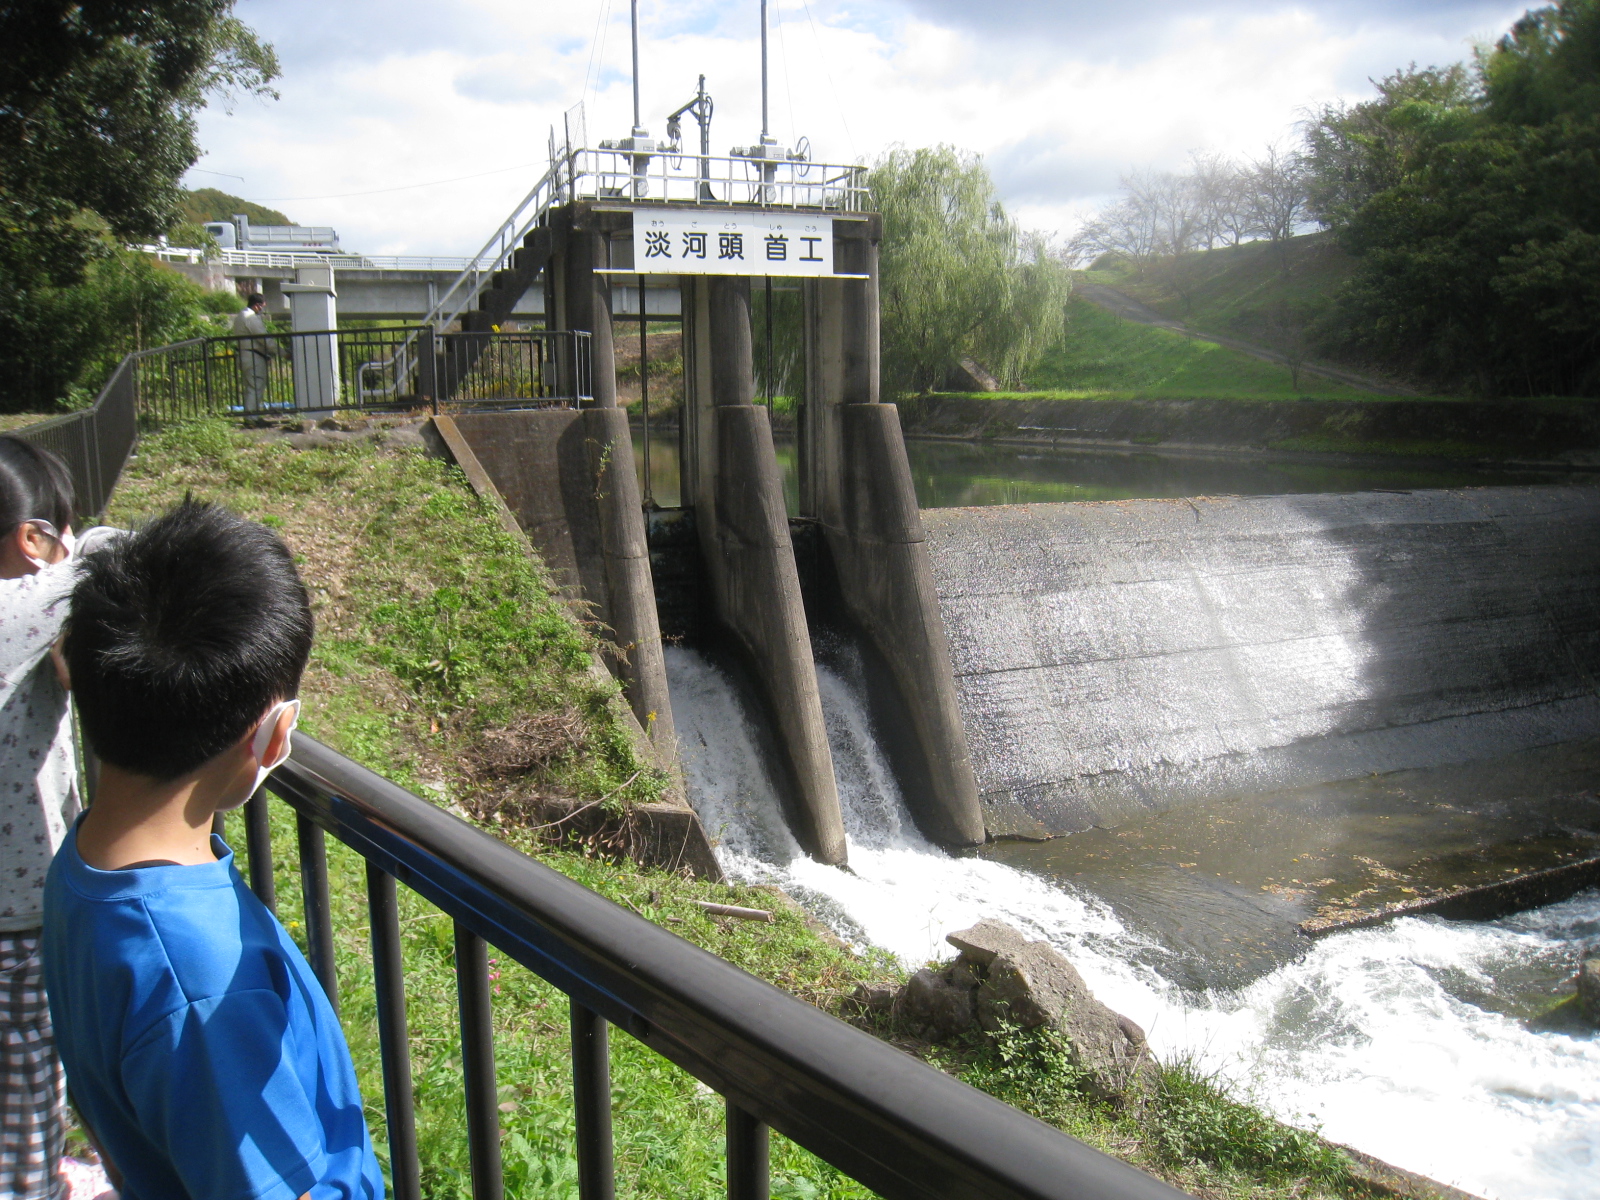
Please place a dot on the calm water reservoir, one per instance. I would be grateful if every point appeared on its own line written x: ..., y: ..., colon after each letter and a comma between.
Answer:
x: 958, y: 474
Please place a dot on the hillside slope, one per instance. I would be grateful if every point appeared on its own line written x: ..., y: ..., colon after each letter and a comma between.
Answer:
x: 1240, y: 290
x: 212, y: 204
x: 1102, y: 354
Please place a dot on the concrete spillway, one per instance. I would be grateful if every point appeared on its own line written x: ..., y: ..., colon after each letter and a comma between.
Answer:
x: 1115, y: 658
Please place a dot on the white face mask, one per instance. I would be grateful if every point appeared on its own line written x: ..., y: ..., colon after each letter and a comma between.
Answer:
x: 67, y: 540
x: 263, y: 737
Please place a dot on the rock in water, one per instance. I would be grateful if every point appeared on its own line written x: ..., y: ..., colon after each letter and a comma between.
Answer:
x: 1029, y: 984
x: 1589, y: 988
x: 980, y: 944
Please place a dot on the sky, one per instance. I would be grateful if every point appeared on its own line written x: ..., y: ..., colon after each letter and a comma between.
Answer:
x: 415, y: 126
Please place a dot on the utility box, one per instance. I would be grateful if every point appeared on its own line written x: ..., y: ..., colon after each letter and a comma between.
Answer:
x: 313, y: 311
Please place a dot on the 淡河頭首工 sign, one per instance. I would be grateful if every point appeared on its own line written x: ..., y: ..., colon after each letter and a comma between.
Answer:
x: 686, y: 242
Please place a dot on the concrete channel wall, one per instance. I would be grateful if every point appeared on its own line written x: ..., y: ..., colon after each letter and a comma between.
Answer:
x: 1116, y: 658
x: 1548, y: 432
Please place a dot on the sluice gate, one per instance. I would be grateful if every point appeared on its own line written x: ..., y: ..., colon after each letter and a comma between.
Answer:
x: 568, y: 476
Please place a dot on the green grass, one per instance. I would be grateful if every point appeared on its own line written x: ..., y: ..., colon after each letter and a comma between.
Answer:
x: 1101, y: 355
x: 1233, y: 290
x: 435, y: 631
x: 433, y: 626
x: 11, y: 421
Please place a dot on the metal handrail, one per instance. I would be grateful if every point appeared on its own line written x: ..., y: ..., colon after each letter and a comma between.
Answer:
x: 318, y: 371
x: 95, y: 442
x: 883, y: 1117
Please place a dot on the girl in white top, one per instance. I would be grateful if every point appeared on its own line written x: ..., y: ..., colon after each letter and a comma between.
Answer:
x: 38, y: 802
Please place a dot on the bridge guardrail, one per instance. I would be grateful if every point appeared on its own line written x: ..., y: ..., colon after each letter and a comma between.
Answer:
x: 886, y: 1119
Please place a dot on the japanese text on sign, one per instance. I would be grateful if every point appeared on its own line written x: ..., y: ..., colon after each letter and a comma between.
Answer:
x: 689, y: 242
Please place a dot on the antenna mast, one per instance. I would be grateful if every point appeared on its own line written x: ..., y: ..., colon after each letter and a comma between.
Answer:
x: 767, y: 152
x: 765, y: 125
x: 638, y: 129
x: 640, y: 146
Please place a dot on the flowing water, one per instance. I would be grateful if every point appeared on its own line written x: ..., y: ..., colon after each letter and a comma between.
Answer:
x: 1417, y: 1042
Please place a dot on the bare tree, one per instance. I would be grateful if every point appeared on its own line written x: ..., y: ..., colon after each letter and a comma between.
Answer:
x: 1160, y: 214
x: 1286, y: 333
x: 1223, y: 193
x: 1279, y: 195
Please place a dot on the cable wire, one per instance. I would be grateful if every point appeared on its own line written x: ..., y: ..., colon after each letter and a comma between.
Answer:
x: 855, y: 153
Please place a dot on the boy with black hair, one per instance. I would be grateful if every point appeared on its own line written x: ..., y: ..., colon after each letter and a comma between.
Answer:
x: 199, y: 1047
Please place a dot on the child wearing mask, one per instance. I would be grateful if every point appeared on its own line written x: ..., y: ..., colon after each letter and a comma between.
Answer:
x: 200, y: 1048
x: 38, y: 801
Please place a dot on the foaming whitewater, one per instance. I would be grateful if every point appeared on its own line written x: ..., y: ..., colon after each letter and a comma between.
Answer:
x: 1368, y: 1034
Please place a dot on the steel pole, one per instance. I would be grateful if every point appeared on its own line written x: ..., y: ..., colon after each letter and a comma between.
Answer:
x: 634, y: 7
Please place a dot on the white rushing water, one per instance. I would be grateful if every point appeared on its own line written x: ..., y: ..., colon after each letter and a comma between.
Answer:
x: 1366, y: 1034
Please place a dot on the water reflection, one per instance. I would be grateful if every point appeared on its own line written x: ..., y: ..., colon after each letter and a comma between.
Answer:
x: 959, y: 474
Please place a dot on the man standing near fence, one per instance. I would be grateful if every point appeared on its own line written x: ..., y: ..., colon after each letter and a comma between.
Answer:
x: 256, y: 351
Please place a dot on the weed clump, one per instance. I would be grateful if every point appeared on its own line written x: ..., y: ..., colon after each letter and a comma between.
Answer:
x: 1194, y: 1119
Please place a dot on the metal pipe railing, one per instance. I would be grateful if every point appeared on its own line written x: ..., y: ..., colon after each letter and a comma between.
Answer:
x: 316, y: 372
x: 886, y: 1119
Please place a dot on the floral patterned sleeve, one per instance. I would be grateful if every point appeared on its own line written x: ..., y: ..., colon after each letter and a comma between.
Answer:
x: 32, y: 611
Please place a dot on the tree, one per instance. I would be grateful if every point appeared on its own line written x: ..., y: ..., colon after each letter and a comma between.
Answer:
x: 1480, y: 263
x: 1277, y: 194
x: 97, y: 104
x: 958, y: 278
x: 1353, y: 152
x: 1222, y: 191
x: 126, y: 301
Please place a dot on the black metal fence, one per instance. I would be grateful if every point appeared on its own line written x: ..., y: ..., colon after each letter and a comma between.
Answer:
x: 534, y: 367
x: 96, y: 441
x: 400, y: 368
x: 881, y: 1116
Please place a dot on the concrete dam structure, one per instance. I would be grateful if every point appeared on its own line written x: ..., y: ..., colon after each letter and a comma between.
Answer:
x: 1118, y: 658
x: 568, y: 478
x: 1031, y: 671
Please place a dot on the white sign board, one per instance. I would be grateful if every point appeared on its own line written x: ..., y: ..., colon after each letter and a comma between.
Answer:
x: 679, y: 241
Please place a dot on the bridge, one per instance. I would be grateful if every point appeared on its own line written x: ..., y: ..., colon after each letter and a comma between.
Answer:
x: 376, y: 287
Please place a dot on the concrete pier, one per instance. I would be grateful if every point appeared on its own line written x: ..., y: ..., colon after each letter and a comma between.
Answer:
x: 569, y: 478
x: 730, y: 476
x: 856, y: 482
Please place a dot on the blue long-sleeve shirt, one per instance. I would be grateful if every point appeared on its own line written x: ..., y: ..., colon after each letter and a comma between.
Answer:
x: 198, y: 1044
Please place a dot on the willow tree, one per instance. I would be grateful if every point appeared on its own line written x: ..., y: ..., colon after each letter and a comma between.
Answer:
x: 959, y: 278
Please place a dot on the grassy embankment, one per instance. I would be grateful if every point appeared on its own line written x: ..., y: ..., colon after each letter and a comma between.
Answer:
x: 1103, y: 356
x: 1247, y: 291
x: 10, y: 421
x: 438, y: 638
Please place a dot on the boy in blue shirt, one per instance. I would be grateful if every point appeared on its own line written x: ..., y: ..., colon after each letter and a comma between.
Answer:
x: 199, y: 1047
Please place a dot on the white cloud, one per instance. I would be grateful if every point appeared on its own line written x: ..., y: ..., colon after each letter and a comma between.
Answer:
x: 376, y: 96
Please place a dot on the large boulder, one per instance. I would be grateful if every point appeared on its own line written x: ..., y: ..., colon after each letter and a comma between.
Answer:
x: 1027, y: 984
x: 1589, y: 988
x: 980, y: 944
